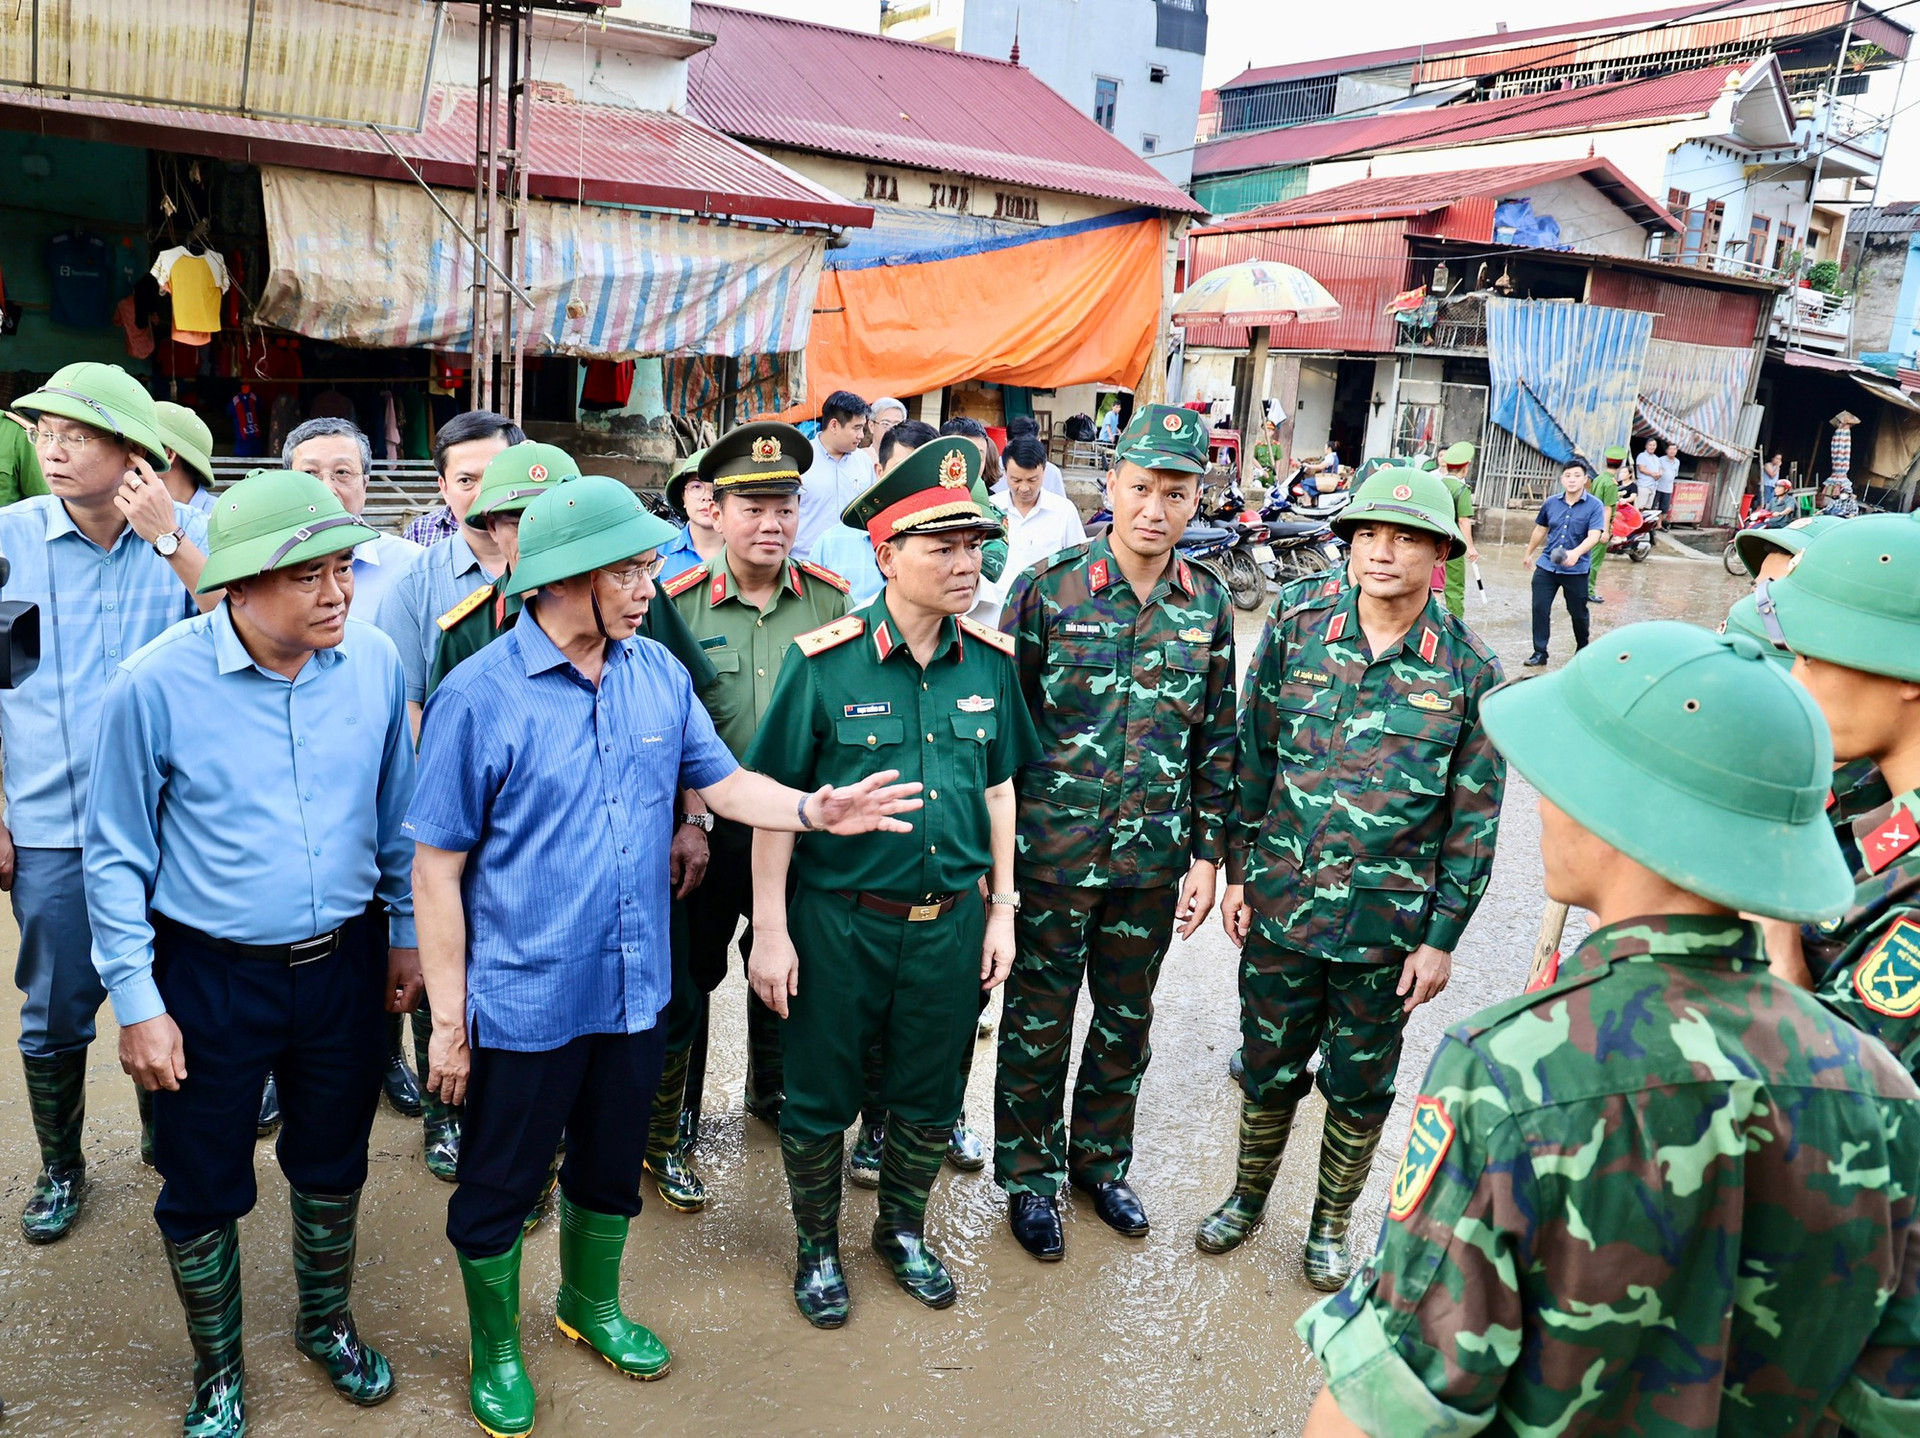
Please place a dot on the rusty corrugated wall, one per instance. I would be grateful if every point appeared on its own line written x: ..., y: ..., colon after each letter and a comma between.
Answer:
x: 1691, y: 314
x: 1363, y: 264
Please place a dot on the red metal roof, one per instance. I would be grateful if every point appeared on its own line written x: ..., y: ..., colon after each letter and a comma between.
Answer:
x: 1666, y: 97
x: 1409, y: 195
x: 814, y: 87
x: 594, y: 153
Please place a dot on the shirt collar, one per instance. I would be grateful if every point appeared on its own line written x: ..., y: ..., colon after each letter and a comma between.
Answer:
x: 59, y: 522
x: 1671, y: 938
x: 1103, y: 572
x: 723, y: 584
x: 885, y: 637
x: 539, y: 654
x: 230, y: 652
x: 461, y: 554
x: 367, y: 551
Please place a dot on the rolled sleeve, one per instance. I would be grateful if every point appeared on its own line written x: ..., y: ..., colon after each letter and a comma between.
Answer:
x: 122, y: 850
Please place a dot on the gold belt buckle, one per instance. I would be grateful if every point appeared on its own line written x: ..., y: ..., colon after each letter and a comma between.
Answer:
x: 921, y: 913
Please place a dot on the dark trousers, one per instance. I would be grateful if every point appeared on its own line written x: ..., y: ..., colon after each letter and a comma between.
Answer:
x: 714, y: 912
x: 596, y: 1091
x: 320, y: 1028
x: 1573, y: 588
x: 54, y: 969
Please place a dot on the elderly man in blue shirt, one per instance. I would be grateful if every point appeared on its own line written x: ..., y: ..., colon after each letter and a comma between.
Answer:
x: 249, y: 887
x: 1560, y: 550
x: 111, y: 560
x: 544, y: 813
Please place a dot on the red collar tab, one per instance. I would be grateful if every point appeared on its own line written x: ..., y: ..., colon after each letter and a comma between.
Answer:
x: 1336, y: 626
x: 793, y: 579
x: 1182, y: 575
x: 1429, y: 645
x: 1099, y: 576
x: 883, y: 640
x: 1892, y: 839
x: 500, y: 610
x: 717, y: 591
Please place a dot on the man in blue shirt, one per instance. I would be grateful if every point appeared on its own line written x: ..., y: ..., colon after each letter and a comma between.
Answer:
x: 543, y: 818
x: 690, y: 497
x: 111, y: 561
x: 1567, y: 528
x: 249, y: 887
x: 842, y: 469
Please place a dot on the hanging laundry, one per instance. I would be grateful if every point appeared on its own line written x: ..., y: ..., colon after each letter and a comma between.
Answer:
x: 196, y: 283
x: 330, y: 403
x: 82, y: 269
x: 282, y: 420
x: 608, y: 385
x: 245, y: 408
x: 126, y: 314
x: 390, y: 431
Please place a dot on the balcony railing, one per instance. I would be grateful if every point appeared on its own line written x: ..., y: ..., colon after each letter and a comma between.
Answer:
x: 1809, y: 319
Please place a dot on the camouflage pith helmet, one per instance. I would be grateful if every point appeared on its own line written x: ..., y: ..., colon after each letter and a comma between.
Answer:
x: 1411, y: 498
x: 1690, y: 753
x: 1164, y: 436
x: 275, y: 519
x: 103, y: 397
x: 1753, y: 545
x: 517, y: 476
x: 1852, y: 596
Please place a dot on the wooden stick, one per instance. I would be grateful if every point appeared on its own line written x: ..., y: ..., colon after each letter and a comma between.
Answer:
x: 1546, y: 947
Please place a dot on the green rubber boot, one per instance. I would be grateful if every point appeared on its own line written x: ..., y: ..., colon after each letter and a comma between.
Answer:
x: 323, y: 1246
x: 668, y: 1159
x: 206, y: 1275
x: 57, y: 1094
x: 538, y: 1213
x: 587, y: 1307
x: 499, y: 1391
x: 440, y: 1122
x: 766, y: 1063
x: 912, y: 1161
x: 813, y: 1181
x: 1263, y: 1139
x: 1346, y: 1154
x: 143, y: 1101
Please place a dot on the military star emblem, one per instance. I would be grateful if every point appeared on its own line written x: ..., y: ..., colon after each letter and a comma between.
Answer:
x: 766, y: 449
x: 953, y: 471
x: 1170, y: 423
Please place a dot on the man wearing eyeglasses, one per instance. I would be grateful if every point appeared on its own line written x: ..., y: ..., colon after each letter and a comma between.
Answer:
x: 336, y: 453
x: 111, y: 561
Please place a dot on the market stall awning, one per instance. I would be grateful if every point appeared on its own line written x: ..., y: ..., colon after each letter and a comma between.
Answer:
x: 1565, y: 377
x: 1691, y: 394
x: 1892, y: 394
x: 600, y: 154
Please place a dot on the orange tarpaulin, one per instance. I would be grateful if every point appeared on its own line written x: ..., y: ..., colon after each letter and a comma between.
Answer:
x: 1074, y: 304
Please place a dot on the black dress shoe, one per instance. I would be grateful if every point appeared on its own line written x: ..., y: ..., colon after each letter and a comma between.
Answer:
x: 1118, y: 1206
x: 1035, y: 1221
x: 1536, y: 659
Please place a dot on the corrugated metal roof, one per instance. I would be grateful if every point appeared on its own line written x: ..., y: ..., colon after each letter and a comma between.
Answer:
x: 1666, y: 97
x: 814, y: 87
x: 593, y: 153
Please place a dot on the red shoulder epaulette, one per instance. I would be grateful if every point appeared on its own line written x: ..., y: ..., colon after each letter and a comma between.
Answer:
x: 826, y: 575
x: 830, y: 636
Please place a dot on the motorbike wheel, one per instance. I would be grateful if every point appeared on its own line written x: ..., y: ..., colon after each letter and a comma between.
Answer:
x: 1639, y: 550
x: 1245, y: 582
x: 1301, y: 561
x: 1730, y: 557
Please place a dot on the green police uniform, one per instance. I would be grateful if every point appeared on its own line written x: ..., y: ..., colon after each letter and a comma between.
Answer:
x: 20, y: 476
x: 1457, y: 457
x: 889, y: 927
x: 1133, y: 700
x: 1667, y: 1162
x: 1369, y: 799
x: 1605, y: 487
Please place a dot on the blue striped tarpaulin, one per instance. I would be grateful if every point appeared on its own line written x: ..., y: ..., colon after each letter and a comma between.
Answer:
x: 1565, y: 376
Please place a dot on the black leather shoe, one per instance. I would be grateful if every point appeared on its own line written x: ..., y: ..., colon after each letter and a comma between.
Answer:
x: 1118, y: 1206
x: 1035, y: 1221
x: 1536, y: 659
x: 1595, y: 599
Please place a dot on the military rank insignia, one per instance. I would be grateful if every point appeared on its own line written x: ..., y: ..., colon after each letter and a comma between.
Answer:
x: 1888, y: 978
x: 1195, y: 636
x: 1892, y: 839
x: 1427, y: 1144
x: 1337, y: 626
x: 1429, y: 645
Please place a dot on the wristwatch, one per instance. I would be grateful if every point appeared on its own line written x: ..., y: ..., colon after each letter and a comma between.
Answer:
x: 702, y: 822
x: 1012, y: 901
x: 168, y: 544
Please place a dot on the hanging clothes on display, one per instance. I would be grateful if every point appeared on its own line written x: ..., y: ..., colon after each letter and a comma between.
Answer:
x: 608, y: 385
x: 245, y: 408
x: 196, y: 283
x: 138, y: 326
x: 81, y: 267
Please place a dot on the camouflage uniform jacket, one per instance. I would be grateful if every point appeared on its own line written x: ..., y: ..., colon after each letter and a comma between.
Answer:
x: 1133, y: 703
x: 1368, y: 794
x: 1867, y: 962
x: 1667, y: 1195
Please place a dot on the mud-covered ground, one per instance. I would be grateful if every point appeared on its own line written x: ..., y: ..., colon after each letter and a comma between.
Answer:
x: 1123, y: 1337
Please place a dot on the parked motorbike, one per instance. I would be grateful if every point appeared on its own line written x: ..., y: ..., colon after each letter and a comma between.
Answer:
x: 1333, y: 495
x: 1633, y: 531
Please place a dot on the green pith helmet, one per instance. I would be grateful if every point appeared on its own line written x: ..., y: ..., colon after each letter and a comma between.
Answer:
x: 187, y: 435
x: 103, y: 397
x: 517, y: 476
x: 682, y: 471
x: 1615, y: 454
x: 1853, y: 596
x: 1164, y: 436
x: 1411, y: 498
x: 1691, y: 754
x: 929, y: 492
x: 584, y: 524
x: 275, y: 519
x: 1457, y: 455
x: 1744, y: 618
x: 1753, y: 545
x: 765, y: 457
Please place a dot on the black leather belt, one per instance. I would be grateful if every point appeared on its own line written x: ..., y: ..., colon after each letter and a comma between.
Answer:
x: 306, y: 951
x: 913, y: 913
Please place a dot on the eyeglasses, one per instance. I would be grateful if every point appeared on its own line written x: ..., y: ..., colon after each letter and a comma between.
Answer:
x: 73, y: 441
x: 628, y: 577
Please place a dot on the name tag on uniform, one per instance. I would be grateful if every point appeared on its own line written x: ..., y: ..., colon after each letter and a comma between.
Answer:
x: 974, y: 704
x: 868, y: 711
x: 1094, y: 629
x: 1432, y: 703
x: 1298, y: 675
x: 714, y: 641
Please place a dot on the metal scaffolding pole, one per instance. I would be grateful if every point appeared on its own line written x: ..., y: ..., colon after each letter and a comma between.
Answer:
x: 503, y: 114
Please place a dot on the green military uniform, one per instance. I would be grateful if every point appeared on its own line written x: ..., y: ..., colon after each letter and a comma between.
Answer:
x: 1667, y: 1162
x: 889, y: 927
x: 1369, y: 798
x: 1456, y: 458
x: 1133, y: 700
x: 1605, y: 487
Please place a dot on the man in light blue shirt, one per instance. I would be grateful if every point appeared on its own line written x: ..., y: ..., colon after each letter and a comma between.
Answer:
x: 250, y: 891
x: 336, y: 453
x: 544, y: 813
x: 847, y: 551
x: 111, y: 561
x: 842, y: 471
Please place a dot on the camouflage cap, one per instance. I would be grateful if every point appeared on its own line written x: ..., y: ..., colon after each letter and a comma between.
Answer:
x: 1851, y: 597
x: 1458, y: 454
x: 928, y: 492
x: 765, y: 457
x: 517, y: 476
x: 1411, y: 498
x: 1753, y: 545
x: 1665, y: 719
x: 1164, y: 436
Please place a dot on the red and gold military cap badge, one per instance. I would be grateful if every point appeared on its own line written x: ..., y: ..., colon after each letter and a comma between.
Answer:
x: 766, y: 449
x: 1170, y: 423
x: 1403, y: 491
x: 536, y: 472
x: 953, y: 471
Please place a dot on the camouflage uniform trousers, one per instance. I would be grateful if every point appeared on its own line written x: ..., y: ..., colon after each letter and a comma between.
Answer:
x: 1293, y: 1003
x: 1116, y: 939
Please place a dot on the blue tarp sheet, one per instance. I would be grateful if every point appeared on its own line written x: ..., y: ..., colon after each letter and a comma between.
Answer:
x: 1565, y: 376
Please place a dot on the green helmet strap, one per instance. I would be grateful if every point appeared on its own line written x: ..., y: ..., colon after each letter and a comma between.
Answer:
x: 91, y: 403
x: 303, y: 534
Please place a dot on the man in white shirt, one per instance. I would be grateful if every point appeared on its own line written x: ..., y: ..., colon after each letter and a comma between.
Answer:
x: 1669, y: 472
x: 841, y: 472
x: 1039, y: 524
x: 1027, y: 427
x: 336, y: 453
x: 1646, y: 470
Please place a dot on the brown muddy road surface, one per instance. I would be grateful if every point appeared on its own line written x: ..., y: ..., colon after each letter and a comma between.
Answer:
x: 1123, y: 1337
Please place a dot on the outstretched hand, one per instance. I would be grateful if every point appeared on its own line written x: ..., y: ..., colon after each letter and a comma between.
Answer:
x: 866, y: 807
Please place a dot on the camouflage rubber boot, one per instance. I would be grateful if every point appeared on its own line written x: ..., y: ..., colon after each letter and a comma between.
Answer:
x: 667, y: 1157
x: 907, y: 1171
x: 206, y: 1275
x: 537, y: 1214
x: 587, y: 1307
x: 323, y: 1246
x: 966, y: 1150
x: 143, y: 1101
x: 498, y: 1391
x: 440, y: 1123
x: 813, y: 1182
x: 269, y: 1119
x: 766, y: 1063
x: 398, y: 1082
x: 1346, y: 1153
x: 1263, y: 1139
x: 57, y: 1094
